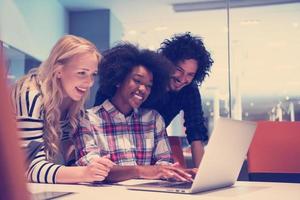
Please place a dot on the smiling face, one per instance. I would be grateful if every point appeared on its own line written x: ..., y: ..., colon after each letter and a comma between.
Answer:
x: 184, y: 74
x: 77, y: 75
x: 134, y: 90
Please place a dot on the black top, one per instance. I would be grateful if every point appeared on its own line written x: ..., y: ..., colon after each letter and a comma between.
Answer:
x: 188, y: 100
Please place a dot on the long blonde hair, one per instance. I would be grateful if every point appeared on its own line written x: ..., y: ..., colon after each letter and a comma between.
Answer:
x: 47, y: 82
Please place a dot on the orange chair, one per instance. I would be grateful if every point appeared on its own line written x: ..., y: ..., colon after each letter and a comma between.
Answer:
x: 176, y: 148
x: 274, y: 154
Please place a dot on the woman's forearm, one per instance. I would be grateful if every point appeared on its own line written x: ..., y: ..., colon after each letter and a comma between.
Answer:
x: 122, y: 173
x: 70, y: 174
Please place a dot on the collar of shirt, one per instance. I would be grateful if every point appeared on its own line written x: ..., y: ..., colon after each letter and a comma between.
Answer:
x: 113, y: 111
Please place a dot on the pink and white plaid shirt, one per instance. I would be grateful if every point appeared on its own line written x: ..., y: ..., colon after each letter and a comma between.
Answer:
x: 137, y: 139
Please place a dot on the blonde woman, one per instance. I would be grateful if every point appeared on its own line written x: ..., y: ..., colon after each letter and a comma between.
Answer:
x: 49, y: 101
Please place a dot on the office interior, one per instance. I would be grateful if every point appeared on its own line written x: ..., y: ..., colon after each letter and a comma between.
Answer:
x: 254, y: 44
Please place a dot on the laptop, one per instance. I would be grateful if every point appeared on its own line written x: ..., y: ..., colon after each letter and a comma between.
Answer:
x: 221, y: 163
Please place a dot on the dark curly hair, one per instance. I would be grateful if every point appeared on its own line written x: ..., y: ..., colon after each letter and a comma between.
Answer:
x: 118, y: 62
x: 186, y: 46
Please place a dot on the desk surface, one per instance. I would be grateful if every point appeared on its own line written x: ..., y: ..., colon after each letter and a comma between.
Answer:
x: 241, y: 190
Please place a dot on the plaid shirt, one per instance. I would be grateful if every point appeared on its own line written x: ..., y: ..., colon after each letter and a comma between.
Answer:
x: 138, y: 139
x: 188, y: 100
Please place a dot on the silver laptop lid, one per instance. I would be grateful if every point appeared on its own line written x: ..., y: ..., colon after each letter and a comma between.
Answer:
x: 224, y: 154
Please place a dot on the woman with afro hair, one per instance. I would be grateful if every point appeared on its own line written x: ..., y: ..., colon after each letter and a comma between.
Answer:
x: 192, y: 63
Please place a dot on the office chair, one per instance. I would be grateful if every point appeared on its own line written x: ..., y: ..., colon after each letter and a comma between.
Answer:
x: 177, y: 152
x: 274, y: 154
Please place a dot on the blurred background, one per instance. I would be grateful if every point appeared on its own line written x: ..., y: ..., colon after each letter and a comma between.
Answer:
x: 255, y: 45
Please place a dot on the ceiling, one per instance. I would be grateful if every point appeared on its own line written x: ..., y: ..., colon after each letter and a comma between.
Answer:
x: 138, y: 17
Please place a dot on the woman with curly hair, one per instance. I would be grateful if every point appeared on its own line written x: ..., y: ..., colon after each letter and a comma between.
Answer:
x: 48, y: 102
x: 134, y: 138
x: 193, y: 63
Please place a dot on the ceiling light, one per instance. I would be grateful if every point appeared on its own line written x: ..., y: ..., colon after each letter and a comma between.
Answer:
x: 222, y: 4
x: 295, y: 25
x: 250, y: 22
x: 132, y: 32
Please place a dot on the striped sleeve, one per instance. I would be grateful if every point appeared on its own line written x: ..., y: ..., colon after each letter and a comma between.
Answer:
x: 31, y: 128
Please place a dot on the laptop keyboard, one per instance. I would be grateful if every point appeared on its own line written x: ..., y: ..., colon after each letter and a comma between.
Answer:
x: 171, y: 184
x: 184, y: 185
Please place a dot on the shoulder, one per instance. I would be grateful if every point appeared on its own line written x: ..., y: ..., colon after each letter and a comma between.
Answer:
x: 151, y: 115
x: 93, y: 110
x: 27, y: 90
x: 32, y: 94
x: 92, y: 115
x: 190, y: 94
x: 29, y: 102
x: 191, y: 88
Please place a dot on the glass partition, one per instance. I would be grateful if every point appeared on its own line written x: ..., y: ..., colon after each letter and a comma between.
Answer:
x: 211, y: 26
x: 254, y: 45
x: 18, y: 63
x: 265, y: 46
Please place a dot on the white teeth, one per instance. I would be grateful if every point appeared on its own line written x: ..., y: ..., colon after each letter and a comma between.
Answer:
x: 138, y: 96
x: 81, y: 89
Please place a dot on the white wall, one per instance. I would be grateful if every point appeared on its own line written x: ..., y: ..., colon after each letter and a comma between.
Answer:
x: 33, y: 26
x: 116, y: 30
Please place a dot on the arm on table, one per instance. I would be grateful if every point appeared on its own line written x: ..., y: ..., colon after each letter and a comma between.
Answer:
x: 161, y: 157
x: 97, y: 170
x: 122, y: 173
x: 93, y: 166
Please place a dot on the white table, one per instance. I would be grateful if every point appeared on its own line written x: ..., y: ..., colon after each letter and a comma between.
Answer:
x: 241, y: 190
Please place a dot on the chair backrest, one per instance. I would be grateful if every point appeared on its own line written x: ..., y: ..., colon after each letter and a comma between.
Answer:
x: 176, y: 148
x: 12, y: 169
x: 275, y: 148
